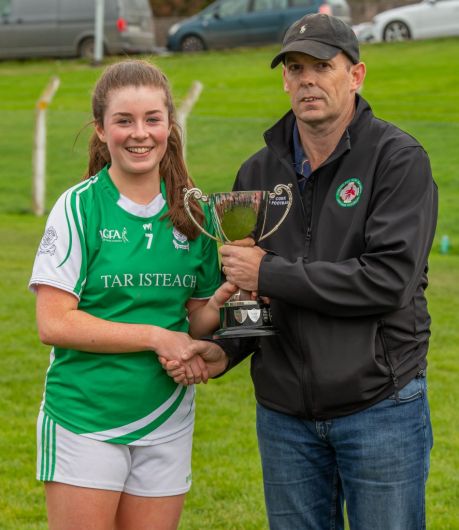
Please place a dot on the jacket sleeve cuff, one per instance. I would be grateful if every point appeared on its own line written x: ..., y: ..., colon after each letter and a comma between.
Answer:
x: 236, y: 350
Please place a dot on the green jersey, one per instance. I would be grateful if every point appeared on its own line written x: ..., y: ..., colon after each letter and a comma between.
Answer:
x: 124, y: 264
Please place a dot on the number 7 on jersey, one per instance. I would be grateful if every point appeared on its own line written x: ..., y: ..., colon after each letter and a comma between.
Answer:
x: 149, y: 240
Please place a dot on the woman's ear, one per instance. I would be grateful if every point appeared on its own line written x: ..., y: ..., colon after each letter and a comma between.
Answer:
x: 100, y: 132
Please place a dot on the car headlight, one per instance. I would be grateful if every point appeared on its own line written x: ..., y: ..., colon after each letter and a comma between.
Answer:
x: 174, y: 28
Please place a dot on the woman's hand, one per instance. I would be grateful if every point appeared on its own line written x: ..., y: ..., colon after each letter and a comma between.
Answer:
x: 223, y: 294
x: 171, y: 345
x: 204, y: 315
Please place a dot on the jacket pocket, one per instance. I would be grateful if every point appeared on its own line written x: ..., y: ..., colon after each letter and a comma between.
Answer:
x: 347, y: 362
x: 386, y: 352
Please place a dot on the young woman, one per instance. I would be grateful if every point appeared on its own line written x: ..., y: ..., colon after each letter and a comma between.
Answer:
x: 122, y: 277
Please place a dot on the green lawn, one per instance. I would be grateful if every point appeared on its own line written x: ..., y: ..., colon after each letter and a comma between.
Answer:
x: 411, y: 84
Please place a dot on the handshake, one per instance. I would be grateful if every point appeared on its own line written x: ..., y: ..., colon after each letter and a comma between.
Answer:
x: 200, y: 361
x: 190, y: 361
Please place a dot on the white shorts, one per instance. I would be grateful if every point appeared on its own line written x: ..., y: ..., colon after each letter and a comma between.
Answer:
x: 157, y: 470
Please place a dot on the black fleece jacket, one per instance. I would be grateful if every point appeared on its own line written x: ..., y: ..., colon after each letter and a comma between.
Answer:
x: 346, y: 272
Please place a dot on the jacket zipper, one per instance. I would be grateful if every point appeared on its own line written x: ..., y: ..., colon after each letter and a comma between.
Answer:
x: 393, y: 375
x: 307, y: 213
x: 307, y: 202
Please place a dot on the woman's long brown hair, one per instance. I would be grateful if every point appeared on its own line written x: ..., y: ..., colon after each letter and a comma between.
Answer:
x: 172, y: 167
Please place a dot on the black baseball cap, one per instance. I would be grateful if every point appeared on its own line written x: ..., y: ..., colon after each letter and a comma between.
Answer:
x: 321, y: 36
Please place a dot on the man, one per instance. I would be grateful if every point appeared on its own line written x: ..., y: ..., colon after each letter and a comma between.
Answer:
x: 342, y: 409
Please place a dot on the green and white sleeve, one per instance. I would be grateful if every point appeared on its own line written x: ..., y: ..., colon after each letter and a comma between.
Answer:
x: 61, y: 257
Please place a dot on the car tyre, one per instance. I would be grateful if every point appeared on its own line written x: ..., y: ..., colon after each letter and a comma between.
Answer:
x: 396, y: 31
x: 86, y: 48
x: 192, y: 43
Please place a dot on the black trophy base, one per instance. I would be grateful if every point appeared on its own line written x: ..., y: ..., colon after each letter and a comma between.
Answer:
x: 245, y: 319
x: 247, y: 331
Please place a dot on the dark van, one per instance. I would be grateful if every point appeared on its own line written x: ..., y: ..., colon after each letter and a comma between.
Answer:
x: 65, y: 28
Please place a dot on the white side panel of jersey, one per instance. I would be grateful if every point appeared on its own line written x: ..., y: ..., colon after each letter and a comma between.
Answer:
x: 59, y: 258
x: 181, y: 420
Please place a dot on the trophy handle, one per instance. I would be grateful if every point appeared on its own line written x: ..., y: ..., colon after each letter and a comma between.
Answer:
x: 197, y: 194
x: 272, y: 194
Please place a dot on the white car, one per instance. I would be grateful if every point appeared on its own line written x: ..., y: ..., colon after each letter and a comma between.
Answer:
x: 430, y: 18
x: 364, y: 32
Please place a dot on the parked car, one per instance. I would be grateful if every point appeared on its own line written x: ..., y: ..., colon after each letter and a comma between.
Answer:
x: 60, y: 28
x: 430, y: 18
x: 364, y: 31
x: 229, y: 23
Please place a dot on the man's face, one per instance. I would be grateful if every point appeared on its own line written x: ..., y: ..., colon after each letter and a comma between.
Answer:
x: 321, y: 90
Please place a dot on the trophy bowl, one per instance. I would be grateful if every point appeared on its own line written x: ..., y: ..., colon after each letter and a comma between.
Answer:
x: 235, y: 216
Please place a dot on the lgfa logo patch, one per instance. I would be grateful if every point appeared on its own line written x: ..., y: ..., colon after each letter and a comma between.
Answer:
x: 348, y: 194
x: 114, y: 235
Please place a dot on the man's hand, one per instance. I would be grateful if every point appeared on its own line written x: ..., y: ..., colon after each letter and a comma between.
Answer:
x: 246, y: 242
x: 241, y: 265
x: 209, y: 353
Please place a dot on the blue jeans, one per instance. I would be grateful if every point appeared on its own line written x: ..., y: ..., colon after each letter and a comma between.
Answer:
x: 377, y: 460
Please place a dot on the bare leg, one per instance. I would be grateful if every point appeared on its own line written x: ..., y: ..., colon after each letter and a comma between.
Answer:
x: 149, y: 513
x: 75, y: 508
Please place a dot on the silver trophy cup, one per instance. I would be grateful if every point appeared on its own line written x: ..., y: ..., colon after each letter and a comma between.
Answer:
x: 235, y: 216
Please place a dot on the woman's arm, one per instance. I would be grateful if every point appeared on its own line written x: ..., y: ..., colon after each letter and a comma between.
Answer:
x: 60, y: 323
x: 204, y: 315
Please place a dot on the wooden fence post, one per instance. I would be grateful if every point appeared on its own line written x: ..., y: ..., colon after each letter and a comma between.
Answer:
x: 185, y: 109
x: 39, y: 153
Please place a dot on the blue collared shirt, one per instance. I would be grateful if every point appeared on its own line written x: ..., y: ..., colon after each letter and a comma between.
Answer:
x: 302, y: 166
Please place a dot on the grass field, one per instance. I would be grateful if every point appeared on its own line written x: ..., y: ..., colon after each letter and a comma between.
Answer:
x: 411, y: 84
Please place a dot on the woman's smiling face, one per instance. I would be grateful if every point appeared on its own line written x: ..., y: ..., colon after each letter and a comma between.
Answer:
x: 136, y: 129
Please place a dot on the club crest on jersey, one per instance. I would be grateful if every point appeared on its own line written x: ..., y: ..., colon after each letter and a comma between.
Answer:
x: 180, y: 240
x: 47, y: 245
x: 113, y: 235
x: 348, y: 194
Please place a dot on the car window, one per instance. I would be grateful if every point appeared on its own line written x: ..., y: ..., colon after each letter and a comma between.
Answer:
x: 134, y: 10
x: 301, y: 3
x: 140, y: 4
x: 43, y: 10
x: 232, y: 8
x: 266, y: 5
x: 210, y: 12
x: 134, y: 5
x: 5, y: 7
